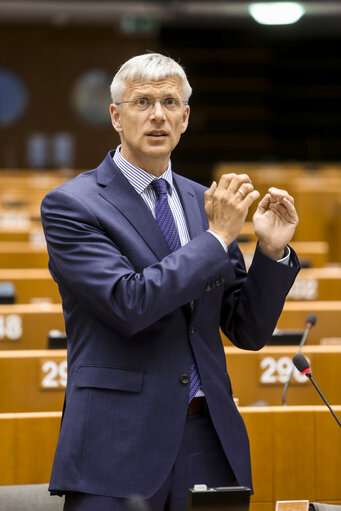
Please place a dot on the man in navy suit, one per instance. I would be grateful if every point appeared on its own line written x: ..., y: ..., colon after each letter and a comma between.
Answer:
x: 142, y: 315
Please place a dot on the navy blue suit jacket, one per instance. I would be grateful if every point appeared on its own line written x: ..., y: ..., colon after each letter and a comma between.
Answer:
x: 130, y: 331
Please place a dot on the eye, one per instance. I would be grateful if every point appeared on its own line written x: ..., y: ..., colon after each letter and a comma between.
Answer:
x: 141, y: 102
x: 170, y: 102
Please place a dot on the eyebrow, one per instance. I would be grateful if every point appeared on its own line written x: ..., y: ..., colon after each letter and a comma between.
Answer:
x: 150, y: 95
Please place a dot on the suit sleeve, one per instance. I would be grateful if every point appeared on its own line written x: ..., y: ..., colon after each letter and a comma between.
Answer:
x: 91, y: 266
x: 252, y: 305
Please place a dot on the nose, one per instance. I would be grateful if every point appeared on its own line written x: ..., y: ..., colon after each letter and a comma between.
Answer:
x: 157, y: 111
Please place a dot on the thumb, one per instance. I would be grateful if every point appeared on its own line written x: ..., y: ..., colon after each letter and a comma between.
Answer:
x: 264, y: 204
x: 209, y: 193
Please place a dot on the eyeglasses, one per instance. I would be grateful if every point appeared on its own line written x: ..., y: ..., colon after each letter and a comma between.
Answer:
x: 143, y: 104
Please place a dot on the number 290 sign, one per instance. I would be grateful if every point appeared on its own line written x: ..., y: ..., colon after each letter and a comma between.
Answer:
x: 276, y: 371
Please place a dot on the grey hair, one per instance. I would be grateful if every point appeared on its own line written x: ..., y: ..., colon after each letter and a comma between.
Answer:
x: 145, y: 68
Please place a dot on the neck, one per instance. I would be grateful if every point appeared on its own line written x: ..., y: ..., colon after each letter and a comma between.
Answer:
x: 155, y: 166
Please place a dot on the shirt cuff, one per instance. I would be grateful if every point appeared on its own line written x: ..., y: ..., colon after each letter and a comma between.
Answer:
x: 286, y: 258
x: 221, y: 241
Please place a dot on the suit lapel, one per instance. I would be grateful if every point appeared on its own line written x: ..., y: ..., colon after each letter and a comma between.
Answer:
x: 118, y: 191
x: 190, y: 204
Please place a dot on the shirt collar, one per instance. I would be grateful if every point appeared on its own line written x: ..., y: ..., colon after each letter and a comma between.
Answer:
x: 139, y: 179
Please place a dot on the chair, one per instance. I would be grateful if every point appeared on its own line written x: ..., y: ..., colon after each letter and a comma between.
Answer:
x: 29, y: 497
x: 317, y: 506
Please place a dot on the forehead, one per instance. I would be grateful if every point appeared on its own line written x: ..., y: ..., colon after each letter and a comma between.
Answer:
x: 169, y: 85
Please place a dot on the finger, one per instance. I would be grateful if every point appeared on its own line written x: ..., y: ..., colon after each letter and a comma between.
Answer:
x: 232, y: 181
x: 225, y: 180
x: 244, y: 189
x: 251, y: 197
x: 277, y: 195
x: 240, y: 181
x: 290, y: 208
x: 209, y: 193
x: 264, y: 204
x: 209, y: 197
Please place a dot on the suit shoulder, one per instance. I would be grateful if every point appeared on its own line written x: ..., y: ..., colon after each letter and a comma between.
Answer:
x: 79, y: 186
x: 196, y: 187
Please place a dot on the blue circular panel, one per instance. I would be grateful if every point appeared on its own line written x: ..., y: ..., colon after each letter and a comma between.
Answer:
x: 13, y: 97
x: 91, y: 97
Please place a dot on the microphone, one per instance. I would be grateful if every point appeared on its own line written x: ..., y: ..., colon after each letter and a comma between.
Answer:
x: 136, y: 503
x: 310, y: 321
x: 302, y: 364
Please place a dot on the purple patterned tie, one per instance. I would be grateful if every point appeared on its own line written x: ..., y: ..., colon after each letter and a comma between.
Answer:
x: 165, y: 220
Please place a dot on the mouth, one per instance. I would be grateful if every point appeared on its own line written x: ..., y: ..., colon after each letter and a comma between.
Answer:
x: 157, y: 134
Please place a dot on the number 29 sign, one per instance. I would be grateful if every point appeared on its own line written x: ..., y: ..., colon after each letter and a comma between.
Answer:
x: 53, y: 374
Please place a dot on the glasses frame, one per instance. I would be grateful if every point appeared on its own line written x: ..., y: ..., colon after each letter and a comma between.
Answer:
x: 152, y: 103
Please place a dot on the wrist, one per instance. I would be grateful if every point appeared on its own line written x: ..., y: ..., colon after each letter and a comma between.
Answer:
x: 273, y: 253
x: 226, y: 239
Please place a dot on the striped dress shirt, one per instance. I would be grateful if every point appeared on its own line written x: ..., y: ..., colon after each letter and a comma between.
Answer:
x: 141, y: 180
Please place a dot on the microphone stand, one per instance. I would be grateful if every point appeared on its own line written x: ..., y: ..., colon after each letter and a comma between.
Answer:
x: 286, y: 385
x: 308, y: 375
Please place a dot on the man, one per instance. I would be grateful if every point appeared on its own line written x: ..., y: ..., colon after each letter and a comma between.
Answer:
x: 147, y: 276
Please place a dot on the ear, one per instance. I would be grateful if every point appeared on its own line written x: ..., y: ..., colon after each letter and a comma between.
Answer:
x: 115, y: 114
x: 185, y: 119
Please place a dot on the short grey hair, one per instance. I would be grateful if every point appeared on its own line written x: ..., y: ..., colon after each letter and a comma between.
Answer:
x: 145, y: 68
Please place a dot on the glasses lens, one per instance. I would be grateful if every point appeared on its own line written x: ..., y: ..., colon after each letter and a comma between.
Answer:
x: 142, y: 104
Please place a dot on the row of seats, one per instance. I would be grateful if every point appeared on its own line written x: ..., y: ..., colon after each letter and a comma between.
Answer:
x: 33, y: 378
x: 25, y: 326
x: 317, y: 195
x: 33, y: 285
x: 32, y: 254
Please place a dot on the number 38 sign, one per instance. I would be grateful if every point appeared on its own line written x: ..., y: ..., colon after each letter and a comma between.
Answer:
x: 277, y: 370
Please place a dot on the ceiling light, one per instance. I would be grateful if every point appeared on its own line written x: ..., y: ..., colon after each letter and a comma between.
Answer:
x: 276, y: 13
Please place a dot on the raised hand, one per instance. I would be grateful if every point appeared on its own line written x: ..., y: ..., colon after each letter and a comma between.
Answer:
x: 227, y: 204
x: 275, y: 221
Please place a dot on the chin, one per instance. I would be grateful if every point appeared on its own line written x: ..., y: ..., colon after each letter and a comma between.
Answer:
x: 159, y: 152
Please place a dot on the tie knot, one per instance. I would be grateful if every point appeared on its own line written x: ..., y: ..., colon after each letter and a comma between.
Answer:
x: 159, y: 187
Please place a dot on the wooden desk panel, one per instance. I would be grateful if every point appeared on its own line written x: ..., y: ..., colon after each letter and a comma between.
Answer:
x: 317, y: 197
x: 294, y: 314
x: 27, y: 445
x: 32, y: 380
x: 27, y: 326
x: 304, y: 442
x: 23, y: 196
x: 294, y: 452
x: 314, y: 253
x: 328, y: 318
x: 32, y: 285
x: 328, y: 454
x: 20, y: 254
x: 8, y: 446
x: 317, y: 284
x: 34, y: 179
x: 293, y: 437
x: 20, y: 216
x: 260, y: 376
x: 33, y: 235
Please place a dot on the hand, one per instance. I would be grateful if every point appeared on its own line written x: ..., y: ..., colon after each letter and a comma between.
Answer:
x: 275, y: 222
x: 227, y: 204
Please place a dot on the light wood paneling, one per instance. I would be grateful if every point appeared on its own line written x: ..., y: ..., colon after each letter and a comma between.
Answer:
x: 26, y: 326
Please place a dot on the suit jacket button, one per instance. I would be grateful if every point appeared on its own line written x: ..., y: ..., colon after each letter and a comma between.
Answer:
x: 184, y: 378
x: 208, y: 288
x: 191, y: 330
